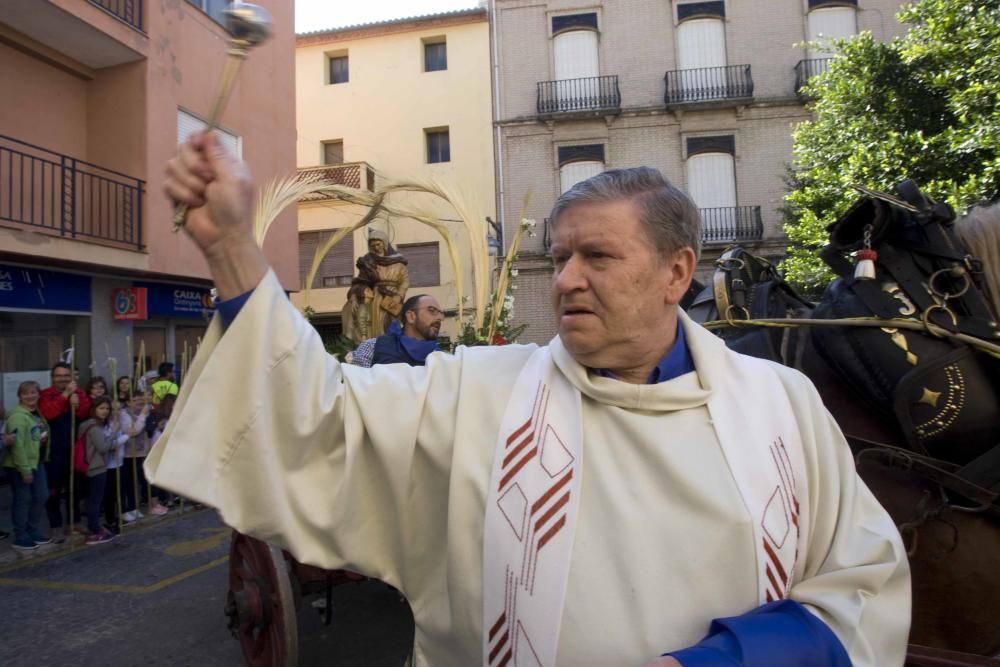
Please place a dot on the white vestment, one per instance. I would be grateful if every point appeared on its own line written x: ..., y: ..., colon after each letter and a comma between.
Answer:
x: 385, y: 471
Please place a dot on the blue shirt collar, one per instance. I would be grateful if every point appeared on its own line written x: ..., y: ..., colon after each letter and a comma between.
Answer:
x: 416, y: 348
x: 677, y: 362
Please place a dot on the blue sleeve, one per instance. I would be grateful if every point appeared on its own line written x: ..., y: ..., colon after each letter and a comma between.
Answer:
x: 229, y: 309
x: 777, y: 633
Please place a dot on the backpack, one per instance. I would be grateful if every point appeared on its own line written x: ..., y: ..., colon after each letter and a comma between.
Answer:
x: 80, y: 464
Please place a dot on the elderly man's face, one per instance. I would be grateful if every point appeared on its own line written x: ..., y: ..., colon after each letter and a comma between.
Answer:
x: 612, y: 293
x: 377, y: 246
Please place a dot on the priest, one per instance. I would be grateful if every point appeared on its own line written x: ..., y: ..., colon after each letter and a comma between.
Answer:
x: 633, y: 493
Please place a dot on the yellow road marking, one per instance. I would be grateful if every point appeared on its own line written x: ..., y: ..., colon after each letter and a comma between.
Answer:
x: 192, y: 547
x: 68, y: 548
x: 113, y: 588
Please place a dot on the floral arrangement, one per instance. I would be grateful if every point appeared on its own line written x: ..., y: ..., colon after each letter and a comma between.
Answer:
x: 498, y: 327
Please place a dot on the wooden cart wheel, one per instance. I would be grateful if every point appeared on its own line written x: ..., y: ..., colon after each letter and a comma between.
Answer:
x: 260, y: 604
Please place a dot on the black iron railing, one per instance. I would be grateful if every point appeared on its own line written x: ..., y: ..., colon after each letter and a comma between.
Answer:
x: 708, y: 83
x: 358, y: 175
x: 129, y: 11
x: 70, y: 197
x: 595, y: 93
x: 807, y: 69
x: 731, y: 223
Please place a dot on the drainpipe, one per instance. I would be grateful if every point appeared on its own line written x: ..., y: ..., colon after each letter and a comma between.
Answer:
x: 497, y: 138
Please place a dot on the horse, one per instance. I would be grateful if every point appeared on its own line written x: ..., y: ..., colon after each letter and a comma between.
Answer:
x: 934, y: 287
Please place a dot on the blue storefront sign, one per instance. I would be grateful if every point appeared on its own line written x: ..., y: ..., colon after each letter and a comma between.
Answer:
x: 170, y: 300
x: 24, y: 288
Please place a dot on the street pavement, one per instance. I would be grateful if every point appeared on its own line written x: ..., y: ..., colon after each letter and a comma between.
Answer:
x: 155, y: 596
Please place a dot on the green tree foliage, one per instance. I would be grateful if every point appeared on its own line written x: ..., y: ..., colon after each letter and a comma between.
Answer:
x: 926, y: 107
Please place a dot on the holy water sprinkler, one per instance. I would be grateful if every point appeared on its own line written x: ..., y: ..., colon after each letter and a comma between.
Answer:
x: 248, y: 26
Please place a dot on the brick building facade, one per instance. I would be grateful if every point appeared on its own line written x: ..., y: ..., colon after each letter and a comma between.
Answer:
x: 706, y: 92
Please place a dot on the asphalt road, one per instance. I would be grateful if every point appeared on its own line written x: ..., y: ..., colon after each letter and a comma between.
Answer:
x: 155, y: 596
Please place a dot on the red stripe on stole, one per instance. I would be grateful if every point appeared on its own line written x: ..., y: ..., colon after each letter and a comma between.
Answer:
x: 517, y: 434
x: 777, y: 563
x: 499, y: 646
x: 517, y: 450
x: 499, y: 624
x: 552, y: 532
x: 551, y: 511
x: 779, y: 589
x: 517, y: 467
x: 563, y: 481
x: 506, y: 658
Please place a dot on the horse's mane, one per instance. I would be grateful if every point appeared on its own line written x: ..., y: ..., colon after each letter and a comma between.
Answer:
x: 979, y: 231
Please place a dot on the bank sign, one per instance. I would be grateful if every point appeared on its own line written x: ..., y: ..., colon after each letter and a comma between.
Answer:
x: 36, y: 289
x: 166, y: 300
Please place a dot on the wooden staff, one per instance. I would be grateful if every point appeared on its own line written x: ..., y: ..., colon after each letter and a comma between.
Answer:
x: 72, y: 438
x: 113, y: 366
x: 140, y: 371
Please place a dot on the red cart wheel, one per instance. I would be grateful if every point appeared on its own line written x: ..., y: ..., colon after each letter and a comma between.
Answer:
x: 260, y: 604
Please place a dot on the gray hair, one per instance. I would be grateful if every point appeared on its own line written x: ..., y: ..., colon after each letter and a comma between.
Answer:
x: 668, y: 215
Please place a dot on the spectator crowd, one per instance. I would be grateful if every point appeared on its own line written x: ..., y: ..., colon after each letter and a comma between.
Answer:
x: 77, y: 456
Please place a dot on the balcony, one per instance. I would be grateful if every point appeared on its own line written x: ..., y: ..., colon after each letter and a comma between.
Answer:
x: 129, y: 11
x: 708, y: 84
x: 807, y: 69
x: 357, y: 175
x: 731, y: 223
x: 573, y: 96
x: 61, y: 195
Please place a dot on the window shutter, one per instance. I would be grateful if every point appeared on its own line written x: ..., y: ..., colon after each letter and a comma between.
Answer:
x: 336, y: 269
x: 572, y: 173
x: 701, y: 43
x: 576, y: 55
x: 188, y: 124
x: 424, y: 263
x: 830, y: 23
x: 711, y: 180
x: 333, y: 152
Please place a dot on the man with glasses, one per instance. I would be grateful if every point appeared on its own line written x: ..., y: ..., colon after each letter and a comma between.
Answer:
x: 421, y: 317
x: 55, y: 404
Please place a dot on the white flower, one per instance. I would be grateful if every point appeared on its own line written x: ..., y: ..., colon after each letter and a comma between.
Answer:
x: 513, y: 273
x: 528, y: 223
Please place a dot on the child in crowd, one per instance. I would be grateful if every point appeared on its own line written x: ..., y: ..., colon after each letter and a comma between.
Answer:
x: 124, y: 391
x: 103, y: 437
x: 97, y: 386
x: 133, y: 424
x: 155, y: 427
x: 22, y: 464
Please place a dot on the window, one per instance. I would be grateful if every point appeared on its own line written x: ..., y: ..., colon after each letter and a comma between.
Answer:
x: 578, y: 163
x: 336, y: 269
x: 711, y: 181
x: 438, y: 145
x: 213, y: 8
x: 701, y: 43
x: 576, y: 55
x: 435, y: 54
x: 423, y: 262
x: 188, y: 124
x: 339, y: 70
x: 828, y: 24
x: 333, y: 152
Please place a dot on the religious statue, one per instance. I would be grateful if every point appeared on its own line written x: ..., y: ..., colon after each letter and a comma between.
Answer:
x: 377, y: 293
